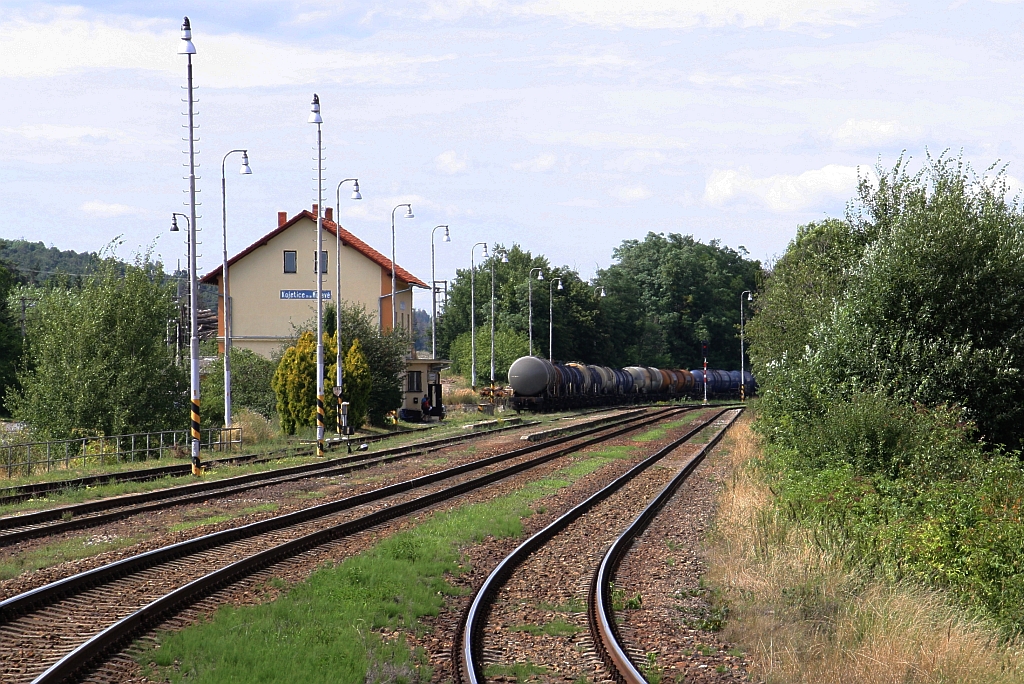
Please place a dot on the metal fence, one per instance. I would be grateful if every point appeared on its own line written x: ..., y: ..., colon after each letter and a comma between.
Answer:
x: 26, y: 457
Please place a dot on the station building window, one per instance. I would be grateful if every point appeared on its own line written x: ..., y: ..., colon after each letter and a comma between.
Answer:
x: 415, y: 381
x: 323, y: 262
x: 290, y: 262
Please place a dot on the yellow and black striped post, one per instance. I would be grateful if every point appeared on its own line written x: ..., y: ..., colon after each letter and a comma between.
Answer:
x: 320, y: 425
x: 339, y: 414
x: 197, y: 468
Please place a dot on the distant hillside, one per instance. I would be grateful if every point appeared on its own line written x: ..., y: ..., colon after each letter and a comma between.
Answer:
x: 36, y: 263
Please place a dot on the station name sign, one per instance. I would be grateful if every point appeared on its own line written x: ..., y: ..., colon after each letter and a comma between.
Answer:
x: 304, y: 294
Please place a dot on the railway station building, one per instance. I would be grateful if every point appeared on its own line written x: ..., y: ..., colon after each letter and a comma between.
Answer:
x: 273, y: 282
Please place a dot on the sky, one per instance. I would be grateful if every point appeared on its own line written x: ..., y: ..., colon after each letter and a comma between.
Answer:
x: 566, y: 126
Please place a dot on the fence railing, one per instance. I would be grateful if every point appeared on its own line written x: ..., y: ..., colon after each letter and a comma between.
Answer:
x: 26, y: 457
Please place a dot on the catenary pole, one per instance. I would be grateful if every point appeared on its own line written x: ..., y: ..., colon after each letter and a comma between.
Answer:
x: 188, y: 49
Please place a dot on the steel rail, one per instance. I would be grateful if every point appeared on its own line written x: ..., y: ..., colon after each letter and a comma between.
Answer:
x: 49, y: 593
x: 115, y: 634
x: 16, y: 493
x: 600, y: 610
x: 63, y: 518
x: 468, y: 641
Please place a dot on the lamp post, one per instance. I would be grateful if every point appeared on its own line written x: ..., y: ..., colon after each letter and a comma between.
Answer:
x: 245, y: 171
x: 743, y: 377
x: 433, y: 291
x: 504, y: 260
x: 472, y: 310
x: 340, y: 373
x: 188, y: 49
x: 529, y: 280
x: 315, y: 118
x: 394, y: 306
x: 551, y: 317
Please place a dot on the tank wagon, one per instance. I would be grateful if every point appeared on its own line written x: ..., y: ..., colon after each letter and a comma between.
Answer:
x: 540, y: 385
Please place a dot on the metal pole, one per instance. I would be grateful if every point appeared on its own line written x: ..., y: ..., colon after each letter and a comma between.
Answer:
x: 529, y: 280
x: 472, y: 311
x: 193, y: 284
x: 493, y: 256
x: 319, y: 291
x: 743, y: 377
x: 226, y: 293
x: 433, y: 294
x: 340, y: 372
x: 551, y: 319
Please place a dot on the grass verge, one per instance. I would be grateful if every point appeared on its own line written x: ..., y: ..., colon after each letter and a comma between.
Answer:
x: 802, y: 614
x: 61, y: 552
x: 325, y: 629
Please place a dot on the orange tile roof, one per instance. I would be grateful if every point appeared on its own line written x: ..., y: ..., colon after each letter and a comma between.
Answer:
x: 347, y: 239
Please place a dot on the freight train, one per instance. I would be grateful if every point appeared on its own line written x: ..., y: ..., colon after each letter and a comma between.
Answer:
x: 540, y: 385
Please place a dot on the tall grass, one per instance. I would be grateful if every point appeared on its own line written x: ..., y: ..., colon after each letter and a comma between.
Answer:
x: 804, y: 614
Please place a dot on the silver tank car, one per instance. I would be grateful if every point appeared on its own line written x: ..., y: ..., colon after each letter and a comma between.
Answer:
x: 529, y: 376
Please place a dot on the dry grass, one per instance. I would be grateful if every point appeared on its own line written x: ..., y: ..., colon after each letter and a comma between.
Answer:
x: 460, y: 395
x: 255, y: 428
x: 801, y: 617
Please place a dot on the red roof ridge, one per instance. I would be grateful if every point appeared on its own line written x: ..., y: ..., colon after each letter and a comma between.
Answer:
x: 347, y: 238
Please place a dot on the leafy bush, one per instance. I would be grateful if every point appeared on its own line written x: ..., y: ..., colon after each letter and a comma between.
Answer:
x: 888, y: 349
x: 97, y: 358
x: 251, y: 386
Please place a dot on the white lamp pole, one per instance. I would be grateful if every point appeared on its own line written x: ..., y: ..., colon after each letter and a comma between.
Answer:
x: 245, y: 171
x: 394, y: 305
x: 472, y: 310
x: 340, y: 374
x: 743, y: 377
x: 529, y: 280
x: 187, y: 48
x: 315, y: 118
x: 551, y: 317
x: 433, y: 291
x: 504, y: 260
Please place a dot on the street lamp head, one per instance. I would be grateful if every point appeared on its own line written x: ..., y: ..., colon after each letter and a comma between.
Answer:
x: 447, y: 235
x: 601, y: 291
x: 314, y: 111
x: 174, y: 223
x: 485, y: 250
x: 559, y: 283
x: 245, y: 170
x: 355, y: 192
x: 540, y: 275
x: 504, y: 257
x: 750, y: 296
x: 186, y: 48
x: 408, y: 211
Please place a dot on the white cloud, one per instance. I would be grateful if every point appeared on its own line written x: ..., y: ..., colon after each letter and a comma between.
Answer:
x: 631, y: 193
x: 782, y: 192
x: 635, y: 161
x: 222, y: 60
x: 105, y: 209
x: 581, y: 202
x: 451, y: 162
x: 65, y: 134
x: 679, y: 14
x: 860, y: 133
x: 542, y: 163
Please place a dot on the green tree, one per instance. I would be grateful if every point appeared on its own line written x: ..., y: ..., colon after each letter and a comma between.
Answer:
x: 10, y: 337
x: 668, y: 292
x: 294, y: 384
x: 97, y: 358
x: 252, y: 379
x: 509, y: 345
x: 384, y: 352
x: 358, y: 385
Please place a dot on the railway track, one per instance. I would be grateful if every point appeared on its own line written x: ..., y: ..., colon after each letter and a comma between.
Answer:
x: 60, y: 519
x: 51, y: 633
x: 469, y: 644
x: 18, y: 493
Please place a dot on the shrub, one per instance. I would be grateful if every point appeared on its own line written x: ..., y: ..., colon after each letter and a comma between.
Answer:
x: 509, y: 345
